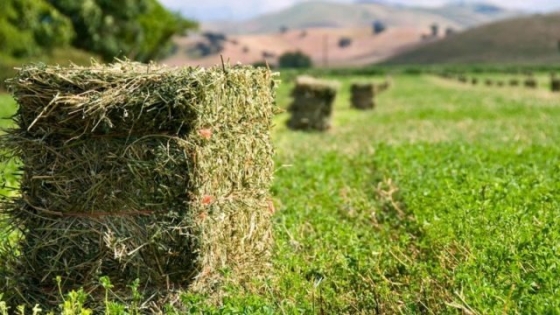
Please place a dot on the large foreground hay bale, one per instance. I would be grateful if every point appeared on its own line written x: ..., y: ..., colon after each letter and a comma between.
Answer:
x: 311, y: 108
x: 139, y: 171
x: 362, y: 95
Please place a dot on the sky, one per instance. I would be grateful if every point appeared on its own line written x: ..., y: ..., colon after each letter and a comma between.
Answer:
x: 207, y: 10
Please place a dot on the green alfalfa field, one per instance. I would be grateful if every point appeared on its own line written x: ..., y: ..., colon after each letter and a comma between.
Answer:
x: 445, y: 199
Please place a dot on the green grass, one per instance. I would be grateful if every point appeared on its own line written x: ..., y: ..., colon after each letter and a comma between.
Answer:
x: 7, y: 110
x: 445, y: 199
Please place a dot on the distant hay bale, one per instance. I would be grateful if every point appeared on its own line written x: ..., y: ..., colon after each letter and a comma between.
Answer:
x: 363, y: 95
x: 555, y: 84
x: 489, y: 82
x: 312, y: 104
x: 514, y: 82
x: 530, y: 82
x: 463, y: 79
x: 383, y: 86
x: 500, y: 83
x: 474, y: 81
x: 139, y: 171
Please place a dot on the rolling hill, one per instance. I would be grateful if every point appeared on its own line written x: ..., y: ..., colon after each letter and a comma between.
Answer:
x: 318, y: 27
x: 321, y: 44
x: 359, y: 14
x: 526, y: 40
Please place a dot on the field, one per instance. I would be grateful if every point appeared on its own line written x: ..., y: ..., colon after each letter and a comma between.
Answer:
x: 442, y: 200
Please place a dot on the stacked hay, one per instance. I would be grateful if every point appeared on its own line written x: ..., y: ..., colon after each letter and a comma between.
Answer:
x: 139, y: 171
x: 554, y: 83
x: 514, y: 82
x: 382, y: 87
x: 311, y: 108
x: 363, y: 95
x: 474, y: 81
x: 530, y: 82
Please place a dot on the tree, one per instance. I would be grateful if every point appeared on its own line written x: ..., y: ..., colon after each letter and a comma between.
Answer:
x: 378, y: 27
x: 31, y: 27
x: 344, y: 42
x: 294, y: 60
x: 138, y: 29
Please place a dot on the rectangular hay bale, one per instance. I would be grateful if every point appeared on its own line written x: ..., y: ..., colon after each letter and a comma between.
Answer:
x: 555, y: 84
x: 362, y: 95
x: 140, y: 171
x: 312, y: 104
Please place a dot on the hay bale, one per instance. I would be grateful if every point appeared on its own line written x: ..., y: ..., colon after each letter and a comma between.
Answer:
x: 474, y: 81
x: 139, y: 171
x: 530, y: 82
x: 312, y: 104
x: 489, y: 82
x: 554, y: 84
x: 382, y: 87
x: 362, y: 95
x: 500, y: 83
x: 514, y: 82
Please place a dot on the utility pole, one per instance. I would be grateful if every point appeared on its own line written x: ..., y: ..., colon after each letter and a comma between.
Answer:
x: 325, y: 51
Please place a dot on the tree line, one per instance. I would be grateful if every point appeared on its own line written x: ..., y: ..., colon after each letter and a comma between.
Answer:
x: 137, y: 29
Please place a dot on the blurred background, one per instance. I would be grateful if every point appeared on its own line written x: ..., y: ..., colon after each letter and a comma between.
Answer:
x: 289, y: 33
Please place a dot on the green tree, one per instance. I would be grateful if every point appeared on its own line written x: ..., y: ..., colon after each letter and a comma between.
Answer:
x: 158, y: 26
x: 294, y: 60
x: 138, y: 29
x: 31, y: 27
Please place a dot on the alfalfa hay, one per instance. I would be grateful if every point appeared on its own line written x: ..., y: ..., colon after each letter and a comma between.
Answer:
x: 312, y: 104
x: 362, y: 95
x: 554, y: 83
x: 142, y: 172
x: 530, y: 82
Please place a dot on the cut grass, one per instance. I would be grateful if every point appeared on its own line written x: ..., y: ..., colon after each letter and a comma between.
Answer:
x: 442, y: 200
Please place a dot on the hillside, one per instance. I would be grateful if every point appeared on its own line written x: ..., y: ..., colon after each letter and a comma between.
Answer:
x: 527, y: 40
x: 321, y: 44
x: 331, y: 14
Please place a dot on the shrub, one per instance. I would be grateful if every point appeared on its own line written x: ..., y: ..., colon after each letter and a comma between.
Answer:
x: 344, y: 42
x: 294, y: 60
x: 378, y: 27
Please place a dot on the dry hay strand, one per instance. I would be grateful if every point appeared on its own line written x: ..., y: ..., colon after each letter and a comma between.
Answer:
x: 530, y: 83
x: 362, y: 95
x: 139, y: 171
x: 555, y: 84
x: 312, y: 104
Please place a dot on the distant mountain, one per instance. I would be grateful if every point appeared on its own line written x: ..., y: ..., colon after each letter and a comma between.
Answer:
x: 363, y: 13
x: 527, y: 40
x: 474, y: 14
